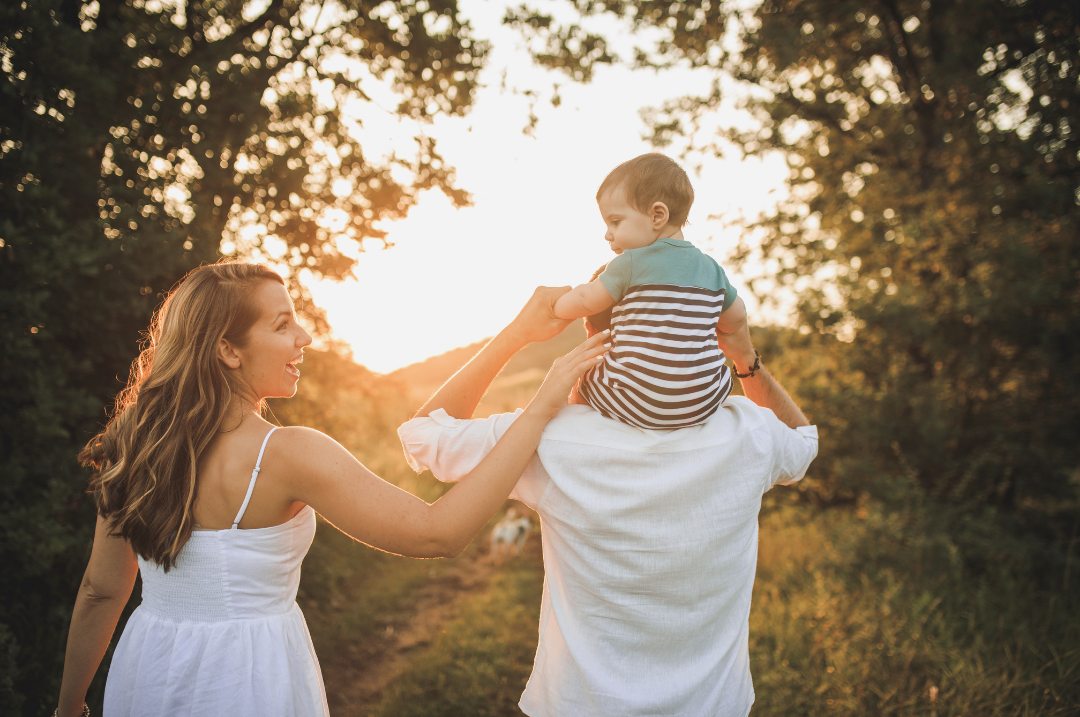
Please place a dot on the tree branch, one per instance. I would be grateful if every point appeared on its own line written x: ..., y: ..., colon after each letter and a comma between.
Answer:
x: 245, y: 31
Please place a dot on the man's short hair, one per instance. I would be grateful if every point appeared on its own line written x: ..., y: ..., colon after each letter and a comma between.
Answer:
x: 652, y: 178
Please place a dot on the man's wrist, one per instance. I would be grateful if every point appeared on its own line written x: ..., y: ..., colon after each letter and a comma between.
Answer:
x: 750, y: 365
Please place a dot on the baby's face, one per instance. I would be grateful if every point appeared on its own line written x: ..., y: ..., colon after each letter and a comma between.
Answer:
x: 627, y: 228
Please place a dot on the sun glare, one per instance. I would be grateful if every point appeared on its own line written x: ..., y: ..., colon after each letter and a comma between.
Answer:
x: 456, y: 276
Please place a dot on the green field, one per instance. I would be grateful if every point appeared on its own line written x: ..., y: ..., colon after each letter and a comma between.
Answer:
x: 859, y: 608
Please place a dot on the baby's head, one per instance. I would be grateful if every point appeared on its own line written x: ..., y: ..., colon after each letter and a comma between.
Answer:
x: 644, y: 199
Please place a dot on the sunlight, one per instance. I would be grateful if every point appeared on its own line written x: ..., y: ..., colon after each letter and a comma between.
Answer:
x: 457, y: 276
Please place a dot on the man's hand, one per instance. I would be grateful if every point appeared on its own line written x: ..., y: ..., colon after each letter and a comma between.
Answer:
x: 537, y: 320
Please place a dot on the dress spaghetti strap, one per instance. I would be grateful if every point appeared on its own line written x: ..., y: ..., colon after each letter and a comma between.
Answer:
x: 251, y: 485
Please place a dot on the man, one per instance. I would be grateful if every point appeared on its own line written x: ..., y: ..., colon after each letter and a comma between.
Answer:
x: 649, y: 537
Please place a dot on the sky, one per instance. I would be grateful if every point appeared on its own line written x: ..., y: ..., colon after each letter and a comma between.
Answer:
x: 456, y: 276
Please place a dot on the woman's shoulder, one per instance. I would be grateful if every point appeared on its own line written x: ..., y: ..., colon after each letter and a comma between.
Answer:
x: 290, y: 438
x: 297, y: 455
x: 297, y: 447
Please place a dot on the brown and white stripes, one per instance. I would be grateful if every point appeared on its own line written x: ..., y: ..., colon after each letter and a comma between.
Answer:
x: 664, y: 369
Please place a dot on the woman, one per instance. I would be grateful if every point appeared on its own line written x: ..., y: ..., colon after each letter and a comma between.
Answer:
x: 216, y: 507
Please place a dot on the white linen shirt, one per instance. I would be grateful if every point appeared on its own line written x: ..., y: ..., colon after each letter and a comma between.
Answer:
x: 650, y: 547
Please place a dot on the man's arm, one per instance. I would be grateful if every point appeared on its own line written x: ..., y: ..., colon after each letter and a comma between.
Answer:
x: 761, y: 388
x: 764, y: 390
x: 793, y: 449
x: 460, y: 395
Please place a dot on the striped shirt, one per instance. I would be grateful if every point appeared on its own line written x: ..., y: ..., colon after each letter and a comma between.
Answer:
x: 664, y: 369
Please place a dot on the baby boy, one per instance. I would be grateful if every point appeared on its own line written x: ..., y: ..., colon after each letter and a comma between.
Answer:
x: 665, y: 369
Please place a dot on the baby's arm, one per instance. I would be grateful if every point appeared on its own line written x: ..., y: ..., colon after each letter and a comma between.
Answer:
x: 733, y: 325
x: 584, y: 300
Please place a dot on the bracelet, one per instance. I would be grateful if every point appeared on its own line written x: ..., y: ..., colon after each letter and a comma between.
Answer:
x: 753, y: 369
x: 85, y: 711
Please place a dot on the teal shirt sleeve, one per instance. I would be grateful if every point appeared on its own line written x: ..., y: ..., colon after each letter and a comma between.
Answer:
x: 617, y: 275
x: 729, y: 291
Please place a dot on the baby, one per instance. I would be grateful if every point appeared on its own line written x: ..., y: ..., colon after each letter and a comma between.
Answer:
x: 664, y: 369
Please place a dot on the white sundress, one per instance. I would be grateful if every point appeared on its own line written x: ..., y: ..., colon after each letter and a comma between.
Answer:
x: 221, y: 633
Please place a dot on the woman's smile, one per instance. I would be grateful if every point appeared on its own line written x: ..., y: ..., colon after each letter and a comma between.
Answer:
x: 291, y: 366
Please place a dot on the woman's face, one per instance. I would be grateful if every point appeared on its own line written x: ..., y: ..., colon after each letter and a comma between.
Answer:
x: 275, y: 345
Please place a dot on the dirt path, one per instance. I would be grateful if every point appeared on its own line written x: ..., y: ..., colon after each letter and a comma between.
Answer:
x: 361, y: 672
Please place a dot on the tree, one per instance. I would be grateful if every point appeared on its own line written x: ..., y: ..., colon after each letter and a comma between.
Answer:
x: 134, y: 136
x: 930, y: 233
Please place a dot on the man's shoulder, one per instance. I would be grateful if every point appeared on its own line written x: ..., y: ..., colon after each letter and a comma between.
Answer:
x: 583, y: 425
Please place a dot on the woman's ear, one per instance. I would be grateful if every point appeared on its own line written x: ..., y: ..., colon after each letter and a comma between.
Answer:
x: 659, y: 215
x: 227, y: 354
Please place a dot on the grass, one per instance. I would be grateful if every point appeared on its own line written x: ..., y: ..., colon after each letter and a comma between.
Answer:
x: 349, y: 592
x: 857, y: 610
x: 852, y: 615
x: 481, y: 661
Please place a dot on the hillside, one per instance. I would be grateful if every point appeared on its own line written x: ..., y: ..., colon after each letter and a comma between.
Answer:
x: 514, y: 386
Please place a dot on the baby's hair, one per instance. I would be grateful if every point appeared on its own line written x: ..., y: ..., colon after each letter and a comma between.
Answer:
x: 652, y: 178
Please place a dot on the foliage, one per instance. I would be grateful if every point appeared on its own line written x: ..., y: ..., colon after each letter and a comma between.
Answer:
x: 858, y: 608
x: 134, y: 136
x: 358, y: 408
x: 869, y: 611
x: 481, y: 661
x: 930, y: 234
x: 931, y: 226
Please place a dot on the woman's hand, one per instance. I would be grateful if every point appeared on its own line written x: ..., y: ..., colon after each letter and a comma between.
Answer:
x: 106, y: 587
x: 537, y: 321
x: 564, y: 374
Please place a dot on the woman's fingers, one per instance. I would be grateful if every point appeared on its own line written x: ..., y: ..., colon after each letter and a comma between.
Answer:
x: 566, y: 370
x: 583, y: 354
x: 587, y: 345
x: 588, y: 359
x: 583, y: 357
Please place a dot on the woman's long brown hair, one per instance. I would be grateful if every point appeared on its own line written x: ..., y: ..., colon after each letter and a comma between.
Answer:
x: 173, y: 406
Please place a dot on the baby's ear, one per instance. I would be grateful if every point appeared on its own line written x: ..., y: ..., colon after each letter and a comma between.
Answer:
x: 659, y: 215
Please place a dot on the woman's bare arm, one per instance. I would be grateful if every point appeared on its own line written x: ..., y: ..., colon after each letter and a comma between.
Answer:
x: 105, y: 589
x: 536, y: 321
x: 325, y: 476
